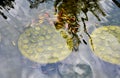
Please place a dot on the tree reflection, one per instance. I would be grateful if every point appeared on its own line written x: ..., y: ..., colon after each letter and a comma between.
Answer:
x: 35, y: 3
x: 117, y: 2
x: 6, y: 4
x: 67, y: 12
x: 87, y: 4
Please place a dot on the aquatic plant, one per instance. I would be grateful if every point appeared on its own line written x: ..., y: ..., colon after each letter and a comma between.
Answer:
x: 42, y: 44
x: 67, y: 12
x: 106, y: 42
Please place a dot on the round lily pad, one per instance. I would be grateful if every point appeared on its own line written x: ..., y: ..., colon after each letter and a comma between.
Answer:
x: 106, y: 43
x: 43, y: 44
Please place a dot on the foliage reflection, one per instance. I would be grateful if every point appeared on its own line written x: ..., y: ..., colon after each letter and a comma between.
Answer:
x: 67, y: 12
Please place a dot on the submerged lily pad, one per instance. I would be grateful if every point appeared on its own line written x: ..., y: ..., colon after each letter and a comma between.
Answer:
x: 106, y: 43
x: 43, y: 44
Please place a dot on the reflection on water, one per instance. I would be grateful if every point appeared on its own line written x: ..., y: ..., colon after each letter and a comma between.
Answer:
x: 7, y: 5
x: 86, y: 5
x: 68, y: 12
x: 78, y: 71
x: 35, y: 3
x: 71, y: 15
x: 117, y: 2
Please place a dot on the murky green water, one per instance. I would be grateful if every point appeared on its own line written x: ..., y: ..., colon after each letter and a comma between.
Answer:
x: 77, y: 18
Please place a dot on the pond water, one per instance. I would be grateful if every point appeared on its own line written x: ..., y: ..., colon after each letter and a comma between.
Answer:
x: 60, y: 39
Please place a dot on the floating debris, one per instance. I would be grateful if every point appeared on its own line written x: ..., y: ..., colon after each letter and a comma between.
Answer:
x: 13, y: 43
